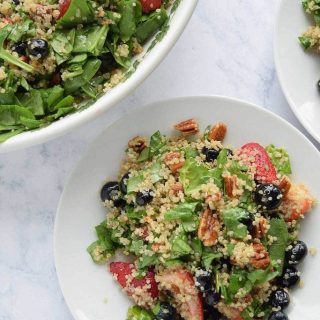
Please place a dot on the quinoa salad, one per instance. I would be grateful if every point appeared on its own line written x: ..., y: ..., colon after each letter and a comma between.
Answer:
x: 310, y: 39
x: 57, y: 56
x: 207, y: 230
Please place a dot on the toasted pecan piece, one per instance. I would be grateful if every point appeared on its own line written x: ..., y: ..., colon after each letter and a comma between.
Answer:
x: 230, y: 183
x: 260, y: 227
x: 137, y: 144
x: 261, y: 258
x: 176, y: 188
x: 174, y: 160
x: 209, y: 227
x: 284, y: 186
x: 187, y: 127
x: 218, y: 132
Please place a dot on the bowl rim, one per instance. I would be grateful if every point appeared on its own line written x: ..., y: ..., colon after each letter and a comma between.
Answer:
x: 128, y: 115
x: 279, y: 71
x: 109, y: 100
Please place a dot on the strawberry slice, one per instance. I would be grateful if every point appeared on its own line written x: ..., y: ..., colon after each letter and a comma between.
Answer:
x: 181, y: 284
x: 150, y: 5
x: 265, y: 170
x: 123, y: 272
x: 63, y: 7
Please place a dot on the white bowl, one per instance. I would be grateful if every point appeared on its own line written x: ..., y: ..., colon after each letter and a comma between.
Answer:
x: 89, y: 289
x: 177, y: 23
x: 298, y: 70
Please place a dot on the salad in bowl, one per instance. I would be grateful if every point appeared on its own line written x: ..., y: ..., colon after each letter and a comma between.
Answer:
x: 207, y: 230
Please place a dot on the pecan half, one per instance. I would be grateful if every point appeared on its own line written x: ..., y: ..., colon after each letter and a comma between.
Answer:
x: 176, y: 188
x: 218, y: 132
x: 174, y: 160
x: 261, y: 258
x: 260, y: 227
x: 187, y: 127
x: 285, y: 185
x: 208, y: 228
x: 137, y: 144
x: 230, y: 183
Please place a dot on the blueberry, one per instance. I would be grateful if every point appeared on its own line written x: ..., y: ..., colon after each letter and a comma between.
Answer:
x: 268, y: 196
x: 20, y: 48
x: 212, y: 297
x: 211, y: 154
x: 296, y: 252
x: 143, y: 198
x: 123, y: 183
x: 211, y: 313
x: 204, y: 280
x: 290, y: 277
x: 248, y: 222
x: 111, y: 191
x: 38, y: 48
x: 16, y: 2
x: 166, y: 312
x: 279, y: 315
x: 279, y: 298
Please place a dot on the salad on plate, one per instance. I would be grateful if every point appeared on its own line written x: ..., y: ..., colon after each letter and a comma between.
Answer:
x: 57, y: 56
x: 207, y: 230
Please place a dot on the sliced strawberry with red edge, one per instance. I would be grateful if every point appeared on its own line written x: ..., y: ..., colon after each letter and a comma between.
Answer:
x: 180, y: 282
x: 63, y: 7
x: 150, y: 5
x: 265, y: 170
x: 123, y: 272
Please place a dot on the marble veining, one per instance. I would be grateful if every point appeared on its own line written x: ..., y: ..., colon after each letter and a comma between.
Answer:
x: 226, y: 50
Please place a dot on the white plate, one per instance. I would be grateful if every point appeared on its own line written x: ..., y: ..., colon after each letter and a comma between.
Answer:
x: 148, y: 63
x: 89, y: 290
x: 298, y: 70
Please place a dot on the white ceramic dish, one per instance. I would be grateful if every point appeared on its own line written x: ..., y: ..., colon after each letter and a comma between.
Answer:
x: 89, y: 289
x: 298, y: 71
x: 177, y: 23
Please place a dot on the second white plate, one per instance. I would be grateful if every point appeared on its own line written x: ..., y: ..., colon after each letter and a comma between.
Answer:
x: 298, y: 70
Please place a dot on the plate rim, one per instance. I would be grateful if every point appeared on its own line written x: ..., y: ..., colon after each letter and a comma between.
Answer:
x: 279, y: 73
x: 151, y: 105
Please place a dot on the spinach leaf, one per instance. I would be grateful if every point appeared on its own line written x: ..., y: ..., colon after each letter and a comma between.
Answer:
x: 148, y: 27
x: 137, y: 313
x: 20, y: 30
x: 7, y: 135
x: 134, y: 214
x: 153, y: 172
x: 104, y: 247
x: 208, y: 256
x: 193, y: 175
x: 184, y: 210
x: 231, y: 218
x: 146, y: 261
x: 190, y: 224
x: 33, y: 101
x: 279, y: 230
x: 11, y: 114
x: 179, y: 244
x: 8, y: 57
x: 156, y: 146
x: 131, y: 12
x: 280, y: 159
x: 62, y: 44
x: 79, y: 12
x: 90, y: 40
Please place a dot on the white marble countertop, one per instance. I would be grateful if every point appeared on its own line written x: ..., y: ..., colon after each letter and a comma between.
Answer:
x: 225, y: 50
